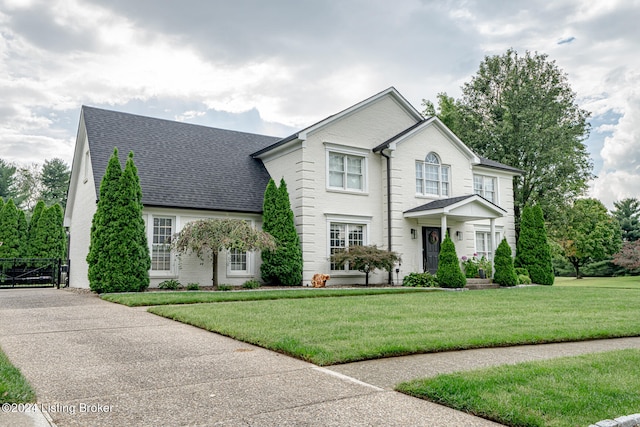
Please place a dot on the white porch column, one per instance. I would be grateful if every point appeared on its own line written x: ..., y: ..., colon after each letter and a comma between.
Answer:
x: 494, y: 244
x: 443, y: 226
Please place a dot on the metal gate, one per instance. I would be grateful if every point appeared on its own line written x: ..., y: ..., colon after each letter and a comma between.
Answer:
x: 31, y: 272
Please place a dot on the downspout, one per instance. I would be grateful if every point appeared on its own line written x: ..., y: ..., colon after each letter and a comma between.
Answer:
x: 390, y: 279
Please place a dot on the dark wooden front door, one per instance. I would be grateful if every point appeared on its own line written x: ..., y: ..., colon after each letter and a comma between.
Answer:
x: 430, y: 248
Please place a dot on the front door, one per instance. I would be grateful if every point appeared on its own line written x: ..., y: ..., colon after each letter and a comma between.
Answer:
x: 430, y: 248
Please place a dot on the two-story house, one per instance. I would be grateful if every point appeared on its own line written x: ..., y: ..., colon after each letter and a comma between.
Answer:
x: 375, y: 173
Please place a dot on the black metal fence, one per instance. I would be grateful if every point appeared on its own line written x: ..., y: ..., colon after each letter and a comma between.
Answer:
x: 32, y: 272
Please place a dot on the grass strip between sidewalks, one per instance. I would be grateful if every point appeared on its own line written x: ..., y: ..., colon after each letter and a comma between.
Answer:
x: 566, y: 392
x: 14, y: 388
x: 195, y: 297
x: 328, y: 331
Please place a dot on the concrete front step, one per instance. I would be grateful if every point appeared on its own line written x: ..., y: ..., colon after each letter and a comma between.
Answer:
x: 481, y: 284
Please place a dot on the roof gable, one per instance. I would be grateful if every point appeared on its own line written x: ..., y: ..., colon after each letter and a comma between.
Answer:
x: 181, y: 165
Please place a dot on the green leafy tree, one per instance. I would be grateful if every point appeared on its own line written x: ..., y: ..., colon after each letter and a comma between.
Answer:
x: 55, y: 181
x: 50, y: 238
x: 27, y: 186
x: 32, y: 229
x: 533, y: 251
x: 627, y: 213
x: 521, y: 111
x: 283, y: 265
x: 366, y: 259
x: 505, y: 273
x: 9, y: 231
x: 104, y: 229
x: 449, y: 272
x: 587, y: 234
x: 7, y: 180
x: 208, y: 237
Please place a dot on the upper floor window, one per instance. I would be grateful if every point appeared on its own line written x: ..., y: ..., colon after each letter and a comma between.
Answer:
x: 432, y: 177
x: 485, y: 186
x: 346, y: 172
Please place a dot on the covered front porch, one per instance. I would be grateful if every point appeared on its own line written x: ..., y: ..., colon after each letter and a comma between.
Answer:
x: 457, y: 216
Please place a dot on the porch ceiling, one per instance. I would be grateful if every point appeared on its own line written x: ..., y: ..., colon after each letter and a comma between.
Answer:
x: 463, y: 208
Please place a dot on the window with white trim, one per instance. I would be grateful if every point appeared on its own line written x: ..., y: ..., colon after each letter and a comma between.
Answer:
x: 238, y: 261
x: 160, y: 246
x: 484, y: 245
x: 486, y: 187
x: 343, y: 236
x: 346, y: 172
x: 432, y: 177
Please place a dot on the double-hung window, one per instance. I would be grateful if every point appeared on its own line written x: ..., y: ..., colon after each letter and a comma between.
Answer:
x: 484, y: 245
x: 342, y: 236
x: 346, y: 172
x: 432, y: 177
x: 160, y: 247
x: 485, y: 186
x: 238, y: 262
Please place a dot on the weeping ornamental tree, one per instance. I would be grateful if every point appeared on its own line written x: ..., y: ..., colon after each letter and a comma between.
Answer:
x: 118, y: 253
x: 283, y: 265
x: 208, y: 237
x: 366, y: 259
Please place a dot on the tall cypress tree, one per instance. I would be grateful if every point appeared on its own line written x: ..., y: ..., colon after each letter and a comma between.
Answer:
x: 136, y: 260
x: 284, y: 264
x: 100, y: 261
x: 9, y: 231
x: 50, y: 239
x: 533, y: 252
x: 33, y: 226
x: 23, y: 227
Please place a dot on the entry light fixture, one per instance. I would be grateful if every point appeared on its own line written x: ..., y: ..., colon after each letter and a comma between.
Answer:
x: 414, y: 234
x: 459, y: 235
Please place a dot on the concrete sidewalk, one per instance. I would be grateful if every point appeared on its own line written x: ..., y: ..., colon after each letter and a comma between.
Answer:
x: 101, y: 364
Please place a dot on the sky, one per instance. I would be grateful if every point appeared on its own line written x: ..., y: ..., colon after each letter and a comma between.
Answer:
x: 274, y: 67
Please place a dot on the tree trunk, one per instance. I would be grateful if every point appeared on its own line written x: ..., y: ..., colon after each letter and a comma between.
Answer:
x: 214, y: 273
x: 576, y: 266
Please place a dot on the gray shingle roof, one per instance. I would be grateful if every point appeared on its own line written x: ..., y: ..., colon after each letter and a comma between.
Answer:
x: 439, y: 204
x: 181, y: 165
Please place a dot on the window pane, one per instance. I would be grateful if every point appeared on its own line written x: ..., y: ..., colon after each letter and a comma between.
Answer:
x: 336, y: 179
x: 337, y: 242
x: 477, y: 184
x: 432, y: 173
x: 419, y: 178
x: 432, y: 158
x: 336, y: 162
x: 354, y: 182
x: 354, y: 165
x: 160, y: 248
x: 238, y: 260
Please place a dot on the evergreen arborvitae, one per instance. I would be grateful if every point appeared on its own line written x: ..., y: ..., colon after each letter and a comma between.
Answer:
x: 100, y: 260
x: 22, y: 232
x: 32, y: 231
x: 533, y: 252
x: 133, y: 273
x: 505, y: 273
x: 284, y: 264
x: 9, y: 231
x: 542, y: 271
x: 50, y: 239
x: 449, y: 273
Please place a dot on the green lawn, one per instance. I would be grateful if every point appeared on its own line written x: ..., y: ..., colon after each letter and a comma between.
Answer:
x: 567, y: 392
x: 327, y: 331
x: 14, y: 388
x: 623, y: 282
x: 193, y: 297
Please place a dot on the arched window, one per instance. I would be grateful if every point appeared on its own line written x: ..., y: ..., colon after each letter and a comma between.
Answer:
x: 432, y: 177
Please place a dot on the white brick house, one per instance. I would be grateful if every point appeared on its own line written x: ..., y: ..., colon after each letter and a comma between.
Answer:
x: 375, y: 173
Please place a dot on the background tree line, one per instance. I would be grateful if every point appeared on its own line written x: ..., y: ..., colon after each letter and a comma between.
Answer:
x: 26, y: 185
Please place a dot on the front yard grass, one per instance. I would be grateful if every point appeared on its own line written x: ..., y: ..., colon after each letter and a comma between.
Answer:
x: 622, y: 282
x: 566, y: 392
x: 190, y: 297
x: 329, y: 331
x: 14, y: 388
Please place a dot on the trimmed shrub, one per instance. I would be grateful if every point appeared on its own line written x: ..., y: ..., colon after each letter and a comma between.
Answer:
x: 505, y: 274
x: 420, y: 280
x: 449, y: 273
x: 9, y: 231
x: 49, y: 237
x: 171, y: 284
x: 533, y: 251
x: 251, y: 284
x: 224, y: 287
x: 523, y: 279
x: 193, y: 286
